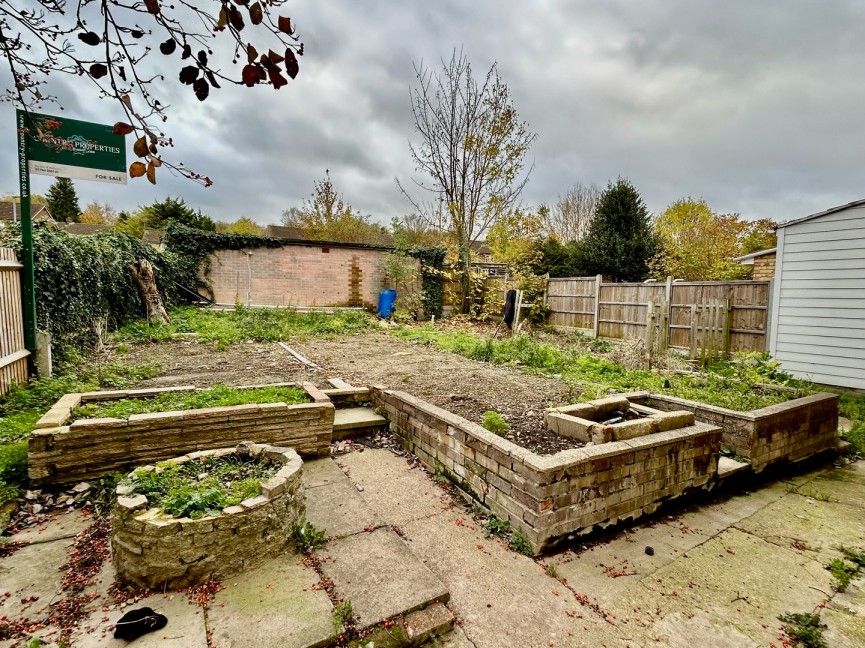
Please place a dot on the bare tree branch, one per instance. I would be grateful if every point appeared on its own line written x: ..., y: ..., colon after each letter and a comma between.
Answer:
x: 572, y: 214
x: 104, y: 42
x: 471, y: 151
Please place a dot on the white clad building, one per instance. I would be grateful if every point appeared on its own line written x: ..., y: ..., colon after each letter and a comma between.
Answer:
x: 817, y: 319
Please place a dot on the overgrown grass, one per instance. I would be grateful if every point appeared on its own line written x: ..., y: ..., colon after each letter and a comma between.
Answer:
x: 182, y: 490
x: 243, y: 324
x: 217, y: 396
x: 728, y: 384
x: 25, y: 404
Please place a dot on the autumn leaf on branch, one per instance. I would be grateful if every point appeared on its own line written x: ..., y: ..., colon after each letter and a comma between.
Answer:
x: 127, y: 51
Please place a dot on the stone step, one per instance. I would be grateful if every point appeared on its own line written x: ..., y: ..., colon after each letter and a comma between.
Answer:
x: 356, y: 421
x: 727, y: 467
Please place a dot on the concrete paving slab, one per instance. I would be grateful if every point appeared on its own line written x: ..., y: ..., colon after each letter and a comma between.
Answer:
x: 738, y: 578
x: 834, y: 490
x: 396, y: 491
x: 503, y: 598
x: 33, y: 570
x: 321, y: 472
x: 609, y: 569
x: 802, y: 522
x: 339, y: 509
x: 274, y: 605
x: 185, y: 629
x: 680, y: 630
x: 845, y: 617
x: 352, y: 418
x: 58, y: 527
x: 380, y: 575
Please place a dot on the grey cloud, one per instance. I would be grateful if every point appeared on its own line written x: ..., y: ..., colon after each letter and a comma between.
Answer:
x: 753, y: 105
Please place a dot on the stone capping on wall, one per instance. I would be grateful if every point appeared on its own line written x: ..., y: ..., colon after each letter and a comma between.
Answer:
x: 572, y: 491
x: 91, y: 448
x: 789, y: 431
x: 153, y: 549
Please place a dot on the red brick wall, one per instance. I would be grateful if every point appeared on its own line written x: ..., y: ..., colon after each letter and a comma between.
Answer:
x: 298, y: 275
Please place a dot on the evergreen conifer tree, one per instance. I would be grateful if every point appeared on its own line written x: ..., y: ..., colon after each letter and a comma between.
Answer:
x: 63, y: 201
x: 620, y: 241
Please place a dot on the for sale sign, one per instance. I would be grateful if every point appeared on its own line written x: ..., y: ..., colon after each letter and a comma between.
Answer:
x: 75, y: 149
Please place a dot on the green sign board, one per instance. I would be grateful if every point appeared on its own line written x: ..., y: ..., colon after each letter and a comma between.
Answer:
x: 75, y: 149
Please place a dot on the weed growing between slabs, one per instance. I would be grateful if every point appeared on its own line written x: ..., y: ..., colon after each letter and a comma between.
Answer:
x: 217, y: 396
x: 804, y: 629
x: 245, y: 324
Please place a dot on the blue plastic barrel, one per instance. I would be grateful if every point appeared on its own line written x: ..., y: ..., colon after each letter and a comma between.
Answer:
x: 386, y: 303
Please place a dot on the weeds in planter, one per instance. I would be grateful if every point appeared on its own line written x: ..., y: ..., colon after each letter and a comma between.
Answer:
x: 342, y: 616
x: 307, y: 537
x: 218, y: 396
x: 243, y: 324
x: 842, y: 573
x: 198, y: 488
x: 804, y: 629
x: 730, y: 384
x: 495, y: 423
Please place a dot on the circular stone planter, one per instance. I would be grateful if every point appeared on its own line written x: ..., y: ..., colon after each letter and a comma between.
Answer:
x: 155, y: 550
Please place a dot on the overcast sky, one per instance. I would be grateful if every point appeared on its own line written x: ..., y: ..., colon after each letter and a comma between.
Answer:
x: 754, y: 105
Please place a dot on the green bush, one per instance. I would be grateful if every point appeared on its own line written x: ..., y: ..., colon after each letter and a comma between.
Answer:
x: 80, y: 279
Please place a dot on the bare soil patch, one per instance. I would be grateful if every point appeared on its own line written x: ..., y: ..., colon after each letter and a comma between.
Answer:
x: 460, y: 385
x: 187, y: 362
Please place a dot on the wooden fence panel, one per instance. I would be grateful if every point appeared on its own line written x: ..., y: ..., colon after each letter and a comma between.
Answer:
x: 622, y: 308
x: 748, y: 300
x: 13, y: 355
x: 622, y: 311
x: 572, y: 302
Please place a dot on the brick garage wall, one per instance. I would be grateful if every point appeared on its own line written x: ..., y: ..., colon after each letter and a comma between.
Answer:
x: 789, y: 431
x: 299, y: 275
x: 546, y: 497
x: 764, y: 267
x: 91, y: 448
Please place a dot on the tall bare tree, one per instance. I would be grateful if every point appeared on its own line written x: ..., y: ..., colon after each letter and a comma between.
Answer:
x: 570, y: 217
x: 471, y: 149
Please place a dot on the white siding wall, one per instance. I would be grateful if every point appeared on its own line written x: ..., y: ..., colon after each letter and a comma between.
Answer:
x: 818, y: 319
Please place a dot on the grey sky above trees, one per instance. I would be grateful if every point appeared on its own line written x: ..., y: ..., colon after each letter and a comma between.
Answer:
x: 753, y: 105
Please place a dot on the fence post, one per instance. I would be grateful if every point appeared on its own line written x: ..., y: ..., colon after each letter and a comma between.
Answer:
x: 693, y: 351
x: 728, y: 324
x: 650, y: 327
x: 598, y: 280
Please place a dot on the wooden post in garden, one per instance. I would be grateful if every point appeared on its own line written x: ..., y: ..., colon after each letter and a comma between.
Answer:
x: 728, y: 324
x: 650, y: 327
x: 693, y: 351
x: 598, y: 280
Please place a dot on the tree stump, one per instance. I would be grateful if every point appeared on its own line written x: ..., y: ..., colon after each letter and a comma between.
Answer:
x: 142, y: 273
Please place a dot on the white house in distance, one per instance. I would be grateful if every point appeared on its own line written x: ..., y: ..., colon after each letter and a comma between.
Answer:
x: 817, y: 320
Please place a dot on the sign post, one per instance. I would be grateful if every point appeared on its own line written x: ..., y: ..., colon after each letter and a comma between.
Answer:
x: 66, y: 148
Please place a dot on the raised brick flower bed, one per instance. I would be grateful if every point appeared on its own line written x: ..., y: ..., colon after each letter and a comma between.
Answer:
x: 89, y: 448
x: 789, y: 431
x: 571, y: 492
x: 154, y: 550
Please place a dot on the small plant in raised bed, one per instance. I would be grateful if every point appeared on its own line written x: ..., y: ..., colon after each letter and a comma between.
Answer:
x: 495, y: 423
x: 217, y: 396
x: 202, y: 487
